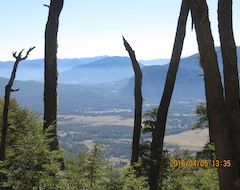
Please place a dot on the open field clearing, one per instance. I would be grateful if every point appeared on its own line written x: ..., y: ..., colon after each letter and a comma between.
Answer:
x: 95, y: 120
x: 79, y: 132
x: 191, y: 140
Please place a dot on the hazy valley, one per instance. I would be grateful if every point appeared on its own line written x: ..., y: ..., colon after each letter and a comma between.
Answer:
x: 95, y: 99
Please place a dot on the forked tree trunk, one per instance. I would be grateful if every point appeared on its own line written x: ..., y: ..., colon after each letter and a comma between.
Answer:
x: 159, y: 132
x: 50, y: 74
x: 138, y: 104
x: 217, y: 113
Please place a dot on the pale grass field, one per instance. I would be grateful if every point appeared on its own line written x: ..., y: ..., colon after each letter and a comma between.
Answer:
x: 191, y: 140
x: 97, y: 120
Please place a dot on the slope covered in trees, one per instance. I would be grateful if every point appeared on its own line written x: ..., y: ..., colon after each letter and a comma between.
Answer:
x: 30, y: 164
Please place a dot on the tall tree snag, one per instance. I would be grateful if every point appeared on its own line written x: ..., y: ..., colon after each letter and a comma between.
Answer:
x: 138, y: 103
x: 158, y: 134
x: 230, y: 69
x: 8, y: 90
x: 50, y: 74
x: 217, y: 112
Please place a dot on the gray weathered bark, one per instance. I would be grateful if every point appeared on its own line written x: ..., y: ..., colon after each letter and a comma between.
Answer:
x: 138, y: 104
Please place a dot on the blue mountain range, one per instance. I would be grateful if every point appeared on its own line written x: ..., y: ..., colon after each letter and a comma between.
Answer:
x: 103, y: 81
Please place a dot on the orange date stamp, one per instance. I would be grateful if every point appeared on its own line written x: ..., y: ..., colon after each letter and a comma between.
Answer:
x: 200, y: 163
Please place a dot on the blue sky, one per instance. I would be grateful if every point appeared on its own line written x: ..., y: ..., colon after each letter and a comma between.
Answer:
x: 93, y: 27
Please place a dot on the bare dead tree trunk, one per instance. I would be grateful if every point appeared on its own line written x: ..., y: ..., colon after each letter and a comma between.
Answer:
x: 8, y: 90
x: 230, y: 70
x: 222, y: 133
x: 50, y: 74
x: 138, y: 104
x: 158, y: 134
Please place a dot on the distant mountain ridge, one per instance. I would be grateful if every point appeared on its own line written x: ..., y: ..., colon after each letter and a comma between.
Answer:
x: 34, y: 69
x: 189, y: 81
x: 105, y: 82
x: 107, y: 69
x: 91, y: 70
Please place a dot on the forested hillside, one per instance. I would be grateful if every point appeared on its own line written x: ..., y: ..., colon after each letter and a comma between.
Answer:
x: 30, y: 164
